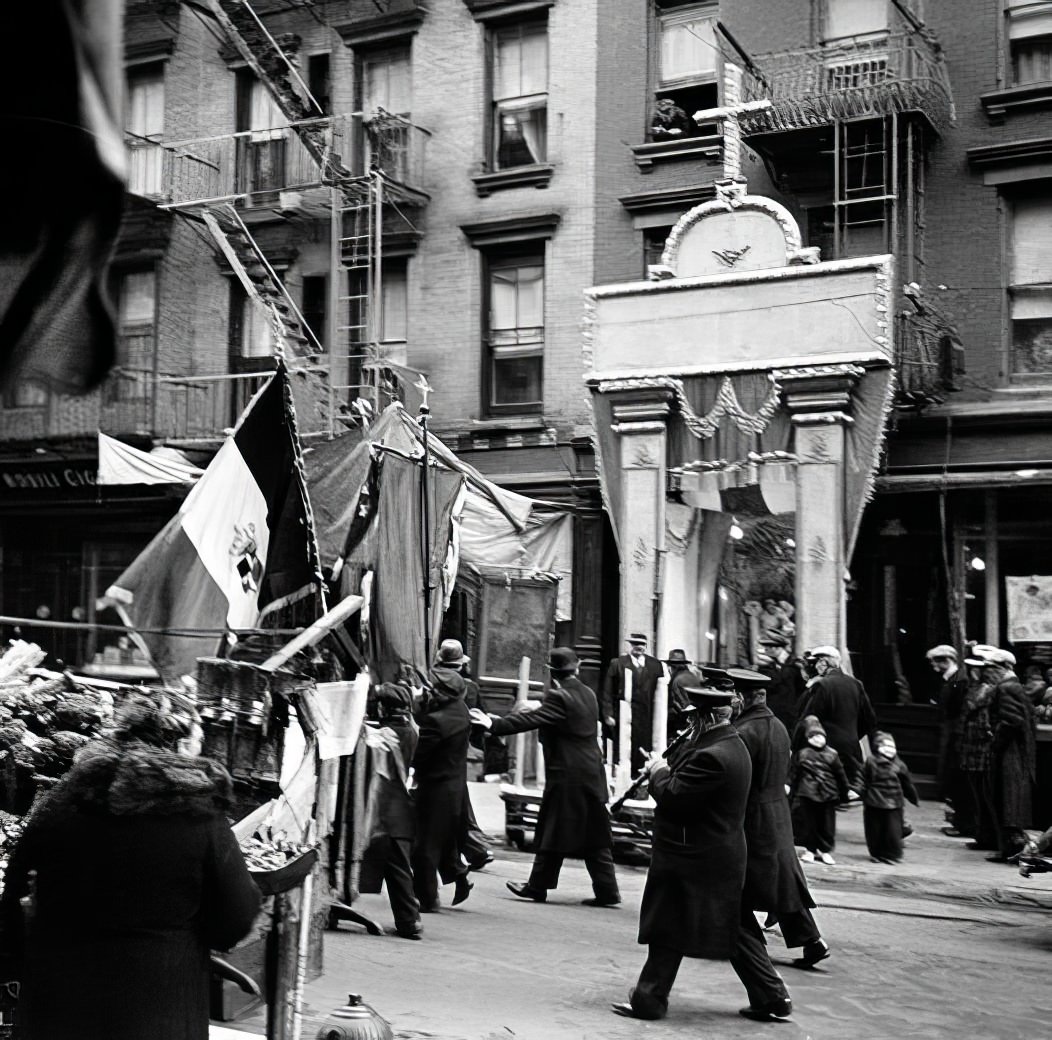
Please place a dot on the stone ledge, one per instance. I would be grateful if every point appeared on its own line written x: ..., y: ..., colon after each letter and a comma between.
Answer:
x: 537, y: 176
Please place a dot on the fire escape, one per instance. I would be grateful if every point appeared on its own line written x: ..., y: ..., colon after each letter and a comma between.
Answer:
x: 871, y: 107
x: 359, y: 173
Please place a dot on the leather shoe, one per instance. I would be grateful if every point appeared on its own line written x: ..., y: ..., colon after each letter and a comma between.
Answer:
x: 976, y: 846
x: 484, y: 861
x: 412, y: 932
x: 602, y: 901
x: 461, y: 890
x: 625, y: 1010
x: 768, y: 1012
x: 538, y: 895
x: 997, y: 858
x: 815, y: 951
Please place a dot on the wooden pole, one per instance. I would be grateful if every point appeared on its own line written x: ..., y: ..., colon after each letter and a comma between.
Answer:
x: 659, y: 734
x: 624, y: 736
x: 521, y: 695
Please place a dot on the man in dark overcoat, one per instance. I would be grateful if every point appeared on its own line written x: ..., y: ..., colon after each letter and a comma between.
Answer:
x: 573, y: 820
x: 787, y: 681
x: 953, y: 781
x: 841, y: 704
x: 1013, y: 754
x: 441, y: 796
x: 680, y: 676
x: 774, y: 879
x: 646, y: 671
x: 692, y: 902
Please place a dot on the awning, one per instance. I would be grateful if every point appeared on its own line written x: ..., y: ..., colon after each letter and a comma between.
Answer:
x: 120, y: 463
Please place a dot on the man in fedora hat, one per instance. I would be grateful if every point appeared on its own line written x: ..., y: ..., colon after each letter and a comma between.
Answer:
x: 692, y: 904
x: 774, y: 879
x: 475, y: 845
x: 573, y: 819
x: 646, y: 671
x: 787, y: 681
x: 680, y: 676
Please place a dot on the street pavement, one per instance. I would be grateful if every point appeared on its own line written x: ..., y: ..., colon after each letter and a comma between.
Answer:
x: 945, y: 945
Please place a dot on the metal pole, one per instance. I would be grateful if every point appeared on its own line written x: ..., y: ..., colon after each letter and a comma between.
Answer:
x: 425, y: 533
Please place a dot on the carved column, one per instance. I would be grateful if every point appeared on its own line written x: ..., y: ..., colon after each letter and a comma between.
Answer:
x: 640, y: 422
x: 819, y: 399
x: 589, y: 568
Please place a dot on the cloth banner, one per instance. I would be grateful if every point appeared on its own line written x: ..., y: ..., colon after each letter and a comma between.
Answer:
x: 1029, y: 603
x: 240, y: 548
x: 340, y: 712
x: 120, y: 463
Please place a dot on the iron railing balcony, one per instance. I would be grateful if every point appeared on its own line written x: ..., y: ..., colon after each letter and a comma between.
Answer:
x: 254, y: 165
x: 897, y: 72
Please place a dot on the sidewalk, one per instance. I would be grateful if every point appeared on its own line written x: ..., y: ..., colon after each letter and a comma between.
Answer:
x: 935, y: 866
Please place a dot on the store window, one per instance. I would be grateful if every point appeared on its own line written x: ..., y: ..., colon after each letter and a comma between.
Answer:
x: 514, y: 333
x: 687, y: 62
x: 1030, y: 283
x: 519, y: 113
x: 1030, y: 42
x: 144, y: 121
x: 854, y: 18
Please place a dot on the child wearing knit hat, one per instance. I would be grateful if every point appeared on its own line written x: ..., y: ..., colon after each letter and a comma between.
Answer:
x: 817, y: 784
x: 884, y: 785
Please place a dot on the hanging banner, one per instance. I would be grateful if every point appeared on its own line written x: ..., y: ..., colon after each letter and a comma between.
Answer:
x: 1029, y: 602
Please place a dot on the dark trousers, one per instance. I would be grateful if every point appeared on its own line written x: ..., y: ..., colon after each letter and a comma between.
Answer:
x: 425, y: 879
x: 883, y: 829
x: 398, y: 877
x: 798, y: 928
x: 750, y: 963
x: 958, y: 792
x: 985, y: 815
x: 599, y: 863
x: 476, y: 844
x: 818, y: 824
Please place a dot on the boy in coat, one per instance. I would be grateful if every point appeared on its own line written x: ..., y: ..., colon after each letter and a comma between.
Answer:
x: 692, y: 904
x: 884, y: 784
x: 774, y: 880
x: 817, y: 785
x: 573, y: 820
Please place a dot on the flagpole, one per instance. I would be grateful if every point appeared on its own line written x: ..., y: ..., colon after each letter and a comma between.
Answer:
x: 425, y: 514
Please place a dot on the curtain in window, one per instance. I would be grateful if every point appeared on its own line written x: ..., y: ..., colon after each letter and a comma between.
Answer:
x: 688, y: 48
x: 521, y: 64
x: 1032, y: 241
x: 257, y: 334
x: 516, y: 303
x: 265, y: 118
x: 138, y: 293
x: 395, y: 306
x: 855, y: 18
x: 387, y: 85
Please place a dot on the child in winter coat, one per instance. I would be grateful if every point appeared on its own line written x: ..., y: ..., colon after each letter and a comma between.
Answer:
x: 817, y: 784
x: 884, y: 785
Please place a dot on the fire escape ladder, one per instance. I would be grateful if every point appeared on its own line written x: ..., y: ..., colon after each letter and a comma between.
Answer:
x: 864, y: 180
x: 261, y: 282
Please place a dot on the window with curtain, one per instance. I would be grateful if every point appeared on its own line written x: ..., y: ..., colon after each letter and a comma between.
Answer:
x: 687, y: 60
x: 394, y: 313
x: 520, y: 95
x: 1030, y: 42
x: 145, y: 125
x: 136, y: 315
x: 1030, y: 284
x: 385, y: 84
x: 515, y: 334
x: 844, y: 18
x: 264, y: 128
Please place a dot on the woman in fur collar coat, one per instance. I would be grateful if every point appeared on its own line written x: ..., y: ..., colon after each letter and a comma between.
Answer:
x: 137, y: 877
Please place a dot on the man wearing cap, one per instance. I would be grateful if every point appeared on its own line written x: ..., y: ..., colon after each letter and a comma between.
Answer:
x: 692, y: 903
x: 840, y: 703
x: 1013, y: 755
x: 953, y: 782
x: 787, y: 681
x: 573, y: 819
x: 774, y: 879
x: 680, y: 676
x: 646, y: 671
x: 475, y: 848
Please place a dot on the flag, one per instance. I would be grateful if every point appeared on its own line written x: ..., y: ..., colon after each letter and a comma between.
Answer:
x: 240, y: 548
x: 120, y: 463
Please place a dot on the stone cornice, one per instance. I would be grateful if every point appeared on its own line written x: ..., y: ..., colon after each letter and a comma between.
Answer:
x: 1009, y: 153
x: 513, y: 229
x: 998, y: 103
x: 394, y: 27
x: 537, y: 175
x: 489, y: 10
x: 667, y: 198
x: 687, y: 149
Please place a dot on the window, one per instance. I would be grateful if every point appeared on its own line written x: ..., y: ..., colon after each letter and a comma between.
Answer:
x: 319, y: 83
x: 654, y: 239
x: 251, y: 330
x: 519, y: 129
x: 1030, y: 42
x: 314, y: 307
x: 261, y: 146
x: 852, y: 18
x: 27, y: 393
x: 394, y: 308
x: 145, y: 125
x: 1030, y: 284
x: 136, y: 315
x: 514, y: 333
x: 385, y: 86
x: 688, y: 69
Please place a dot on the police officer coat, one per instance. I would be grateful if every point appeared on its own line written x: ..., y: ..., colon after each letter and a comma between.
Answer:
x: 573, y: 819
x: 692, y: 899
x: 774, y: 879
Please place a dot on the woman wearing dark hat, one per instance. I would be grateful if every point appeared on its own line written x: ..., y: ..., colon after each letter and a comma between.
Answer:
x: 440, y: 766
x: 138, y: 876
x: 573, y: 820
x: 692, y: 905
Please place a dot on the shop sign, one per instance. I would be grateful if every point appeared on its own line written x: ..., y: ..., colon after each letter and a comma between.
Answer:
x: 1029, y: 602
x: 61, y: 476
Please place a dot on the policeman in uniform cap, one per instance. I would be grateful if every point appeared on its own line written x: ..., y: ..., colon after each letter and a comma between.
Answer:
x: 692, y: 904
